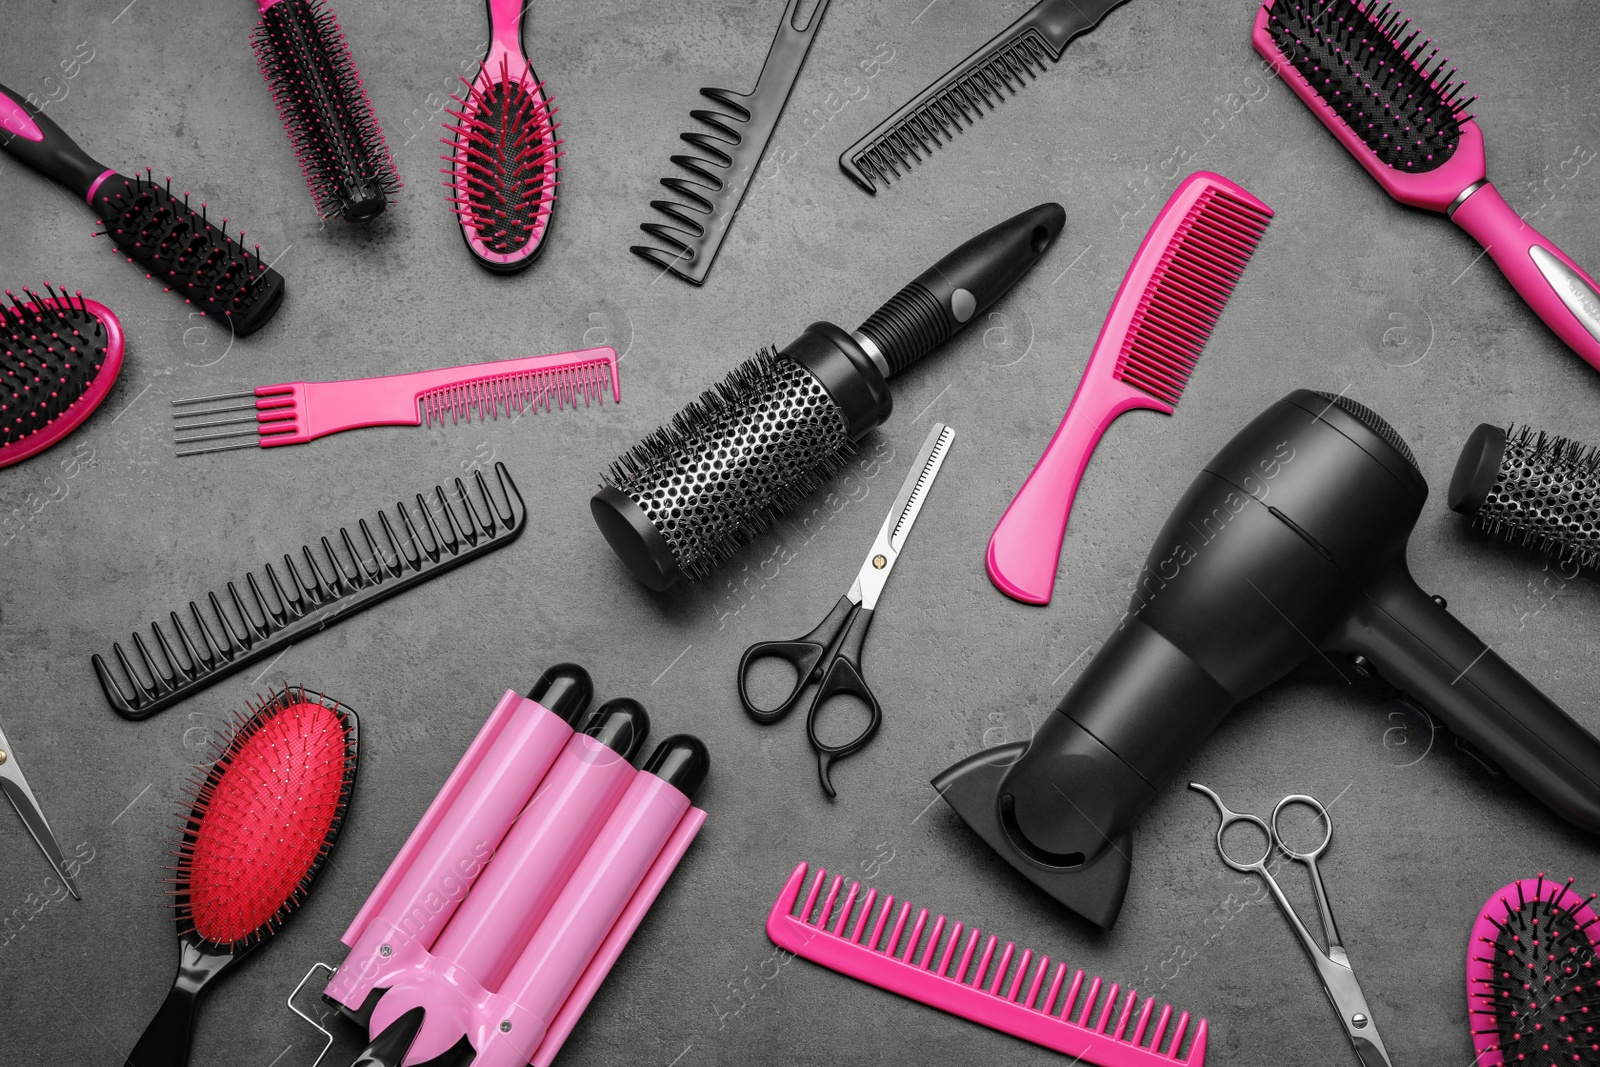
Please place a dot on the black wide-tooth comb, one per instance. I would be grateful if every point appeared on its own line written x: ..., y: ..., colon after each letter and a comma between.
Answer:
x: 729, y: 160
x: 439, y: 535
x: 970, y: 89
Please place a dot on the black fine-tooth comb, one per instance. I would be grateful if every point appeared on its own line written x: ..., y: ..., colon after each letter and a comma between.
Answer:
x: 722, y: 174
x: 970, y: 89
x: 440, y: 534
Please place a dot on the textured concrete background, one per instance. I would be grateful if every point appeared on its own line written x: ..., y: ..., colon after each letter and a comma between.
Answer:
x: 1348, y: 291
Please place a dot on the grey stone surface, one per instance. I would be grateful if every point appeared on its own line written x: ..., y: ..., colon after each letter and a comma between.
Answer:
x: 1349, y: 291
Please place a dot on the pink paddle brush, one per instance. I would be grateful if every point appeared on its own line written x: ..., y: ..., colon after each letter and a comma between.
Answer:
x: 1162, y: 316
x: 502, y: 165
x: 1391, y: 99
x: 1532, y: 974
x: 59, y: 357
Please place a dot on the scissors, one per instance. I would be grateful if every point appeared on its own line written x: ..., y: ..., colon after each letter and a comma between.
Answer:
x: 16, y: 789
x: 830, y: 655
x: 1333, y: 966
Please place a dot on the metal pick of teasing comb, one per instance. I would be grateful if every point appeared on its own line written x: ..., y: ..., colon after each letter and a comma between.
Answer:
x: 294, y: 413
x: 970, y: 89
x: 15, y: 787
x: 730, y: 156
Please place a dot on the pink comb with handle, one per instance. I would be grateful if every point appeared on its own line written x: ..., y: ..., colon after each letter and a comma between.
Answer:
x: 1161, y: 318
x: 294, y: 413
x: 1069, y: 1017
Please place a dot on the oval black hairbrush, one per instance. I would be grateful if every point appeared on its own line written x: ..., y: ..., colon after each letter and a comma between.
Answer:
x: 178, y: 246
x: 1534, y: 489
x: 688, y: 496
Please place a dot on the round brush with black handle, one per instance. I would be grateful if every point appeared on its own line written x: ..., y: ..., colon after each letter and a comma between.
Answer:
x: 684, y: 499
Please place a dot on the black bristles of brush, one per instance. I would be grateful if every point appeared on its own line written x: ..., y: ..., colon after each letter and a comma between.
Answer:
x: 1543, y: 993
x: 748, y: 450
x: 1532, y: 488
x: 50, y: 352
x: 325, y: 110
x: 1385, y: 81
x: 180, y: 247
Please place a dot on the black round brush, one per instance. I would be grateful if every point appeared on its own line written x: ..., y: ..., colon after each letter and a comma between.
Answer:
x: 1533, y: 488
x: 325, y: 109
x: 684, y: 499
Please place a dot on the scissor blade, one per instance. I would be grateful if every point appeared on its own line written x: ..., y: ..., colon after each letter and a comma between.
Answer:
x: 915, y: 490
x: 21, y: 797
x: 1370, y: 1054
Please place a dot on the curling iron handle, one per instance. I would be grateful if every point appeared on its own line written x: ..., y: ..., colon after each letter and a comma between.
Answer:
x: 1419, y: 646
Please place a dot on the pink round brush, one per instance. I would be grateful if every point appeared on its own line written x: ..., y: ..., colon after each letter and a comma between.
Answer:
x: 502, y: 165
x: 59, y: 358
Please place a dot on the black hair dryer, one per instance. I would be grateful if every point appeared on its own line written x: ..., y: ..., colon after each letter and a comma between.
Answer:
x: 1291, y: 543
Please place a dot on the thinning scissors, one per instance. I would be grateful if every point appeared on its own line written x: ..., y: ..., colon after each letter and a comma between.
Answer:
x: 830, y: 655
x: 1333, y: 966
x: 16, y: 790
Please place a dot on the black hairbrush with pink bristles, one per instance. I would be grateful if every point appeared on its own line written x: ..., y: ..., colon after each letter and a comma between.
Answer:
x: 178, y: 247
x: 264, y: 819
x: 1533, y: 977
x: 503, y: 150
x: 325, y: 110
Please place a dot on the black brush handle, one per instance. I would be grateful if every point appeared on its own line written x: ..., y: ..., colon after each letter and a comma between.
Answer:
x: 961, y: 286
x: 165, y: 1042
x: 26, y: 133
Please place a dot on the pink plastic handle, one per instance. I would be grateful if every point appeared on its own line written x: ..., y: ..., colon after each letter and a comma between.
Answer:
x: 505, y: 37
x: 15, y: 120
x: 1516, y: 248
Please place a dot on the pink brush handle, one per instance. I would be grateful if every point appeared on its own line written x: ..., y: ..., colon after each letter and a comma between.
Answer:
x: 1560, y: 293
x: 505, y: 36
x: 1025, y: 548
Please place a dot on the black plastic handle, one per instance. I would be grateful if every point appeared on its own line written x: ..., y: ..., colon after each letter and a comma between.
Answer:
x: 55, y: 155
x: 961, y: 286
x: 166, y: 1041
x: 1419, y: 646
x: 803, y: 653
x: 843, y: 678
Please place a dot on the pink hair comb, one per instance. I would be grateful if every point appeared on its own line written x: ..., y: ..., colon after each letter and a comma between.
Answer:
x: 1171, y: 297
x: 1024, y: 1006
x: 294, y: 413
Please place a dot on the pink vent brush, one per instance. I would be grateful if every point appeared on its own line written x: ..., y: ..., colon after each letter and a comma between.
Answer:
x: 502, y: 163
x: 1161, y: 318
x: 1390, y: 98
x: 294, y: 413
x: 1064, y: 1016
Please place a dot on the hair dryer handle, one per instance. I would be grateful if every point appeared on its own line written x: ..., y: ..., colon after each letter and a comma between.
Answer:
x: 1419, y: 646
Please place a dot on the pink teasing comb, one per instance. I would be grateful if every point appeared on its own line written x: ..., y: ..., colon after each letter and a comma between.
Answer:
x: 1397, y: 105
x: 1161, y: 318
x: 59, y: 357
x: 1078, y: 1022
x: 1532, y: 996
x: 294, y: 413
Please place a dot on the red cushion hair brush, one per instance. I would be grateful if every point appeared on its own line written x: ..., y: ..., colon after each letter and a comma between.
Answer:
x: 59, y: 357
x: 264, y: 819
x: 502, y: 163
x: 325, y: 110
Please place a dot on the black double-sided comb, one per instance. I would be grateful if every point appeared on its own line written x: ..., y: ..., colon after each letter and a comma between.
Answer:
x: 439, y: 534
x: 970, y: 89
x: 729, y: 158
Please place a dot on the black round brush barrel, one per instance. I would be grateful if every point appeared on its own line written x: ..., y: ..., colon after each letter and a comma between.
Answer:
x: 689, y: 495
x: 1535, y: 489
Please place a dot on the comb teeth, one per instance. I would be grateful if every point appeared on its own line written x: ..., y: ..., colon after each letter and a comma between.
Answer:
x: 1382, y: 79
x: 487, y: 398
x: 1187, y: 292
x: 325, y: 109
x: 909, y: 138
x: 1545, y: 496
x: 181, y: 248
x: 1533, y: 976
x: 502, y: 165
x: 1016, y: 994
x: 264, y: 818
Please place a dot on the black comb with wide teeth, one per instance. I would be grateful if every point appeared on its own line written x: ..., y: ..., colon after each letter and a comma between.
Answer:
x: 1535, y: 489
x: 181, y: 248
x: 970, y: 90
x: 1385, y: 81
x: 51, y: 352
x: 325, y: 110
